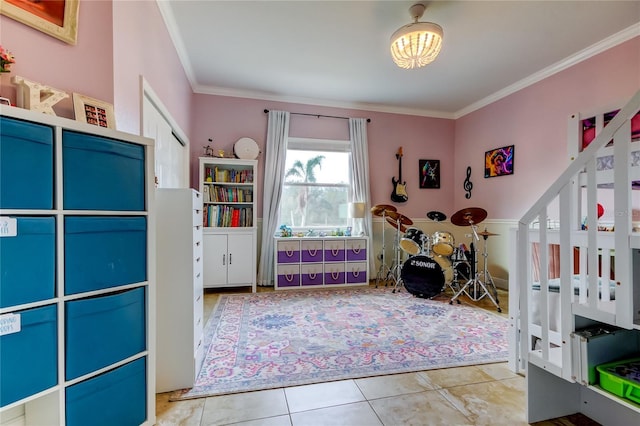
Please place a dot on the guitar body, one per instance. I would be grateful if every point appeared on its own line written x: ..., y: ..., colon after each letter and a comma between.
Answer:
x: 399, y: 193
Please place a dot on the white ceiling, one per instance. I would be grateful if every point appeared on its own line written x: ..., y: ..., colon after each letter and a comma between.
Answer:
x: 336, y: 53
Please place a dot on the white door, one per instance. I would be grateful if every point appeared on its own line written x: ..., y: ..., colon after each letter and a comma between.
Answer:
x: 216, y: 259
x: 171, y: 153
x: 241, y: 269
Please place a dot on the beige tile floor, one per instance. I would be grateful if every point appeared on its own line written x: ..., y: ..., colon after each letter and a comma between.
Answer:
x: 487, y: 394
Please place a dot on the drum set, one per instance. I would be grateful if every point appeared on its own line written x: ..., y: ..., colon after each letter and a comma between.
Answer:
x: 427, y: 264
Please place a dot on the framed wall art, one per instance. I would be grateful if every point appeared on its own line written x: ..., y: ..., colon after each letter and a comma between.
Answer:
x: 93, y: 111
x: 429, y: 173
x: 58, y: 18
x: 499, y: 161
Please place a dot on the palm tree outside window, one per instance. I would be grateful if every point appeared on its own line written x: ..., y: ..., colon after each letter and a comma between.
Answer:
x: 316, y: 188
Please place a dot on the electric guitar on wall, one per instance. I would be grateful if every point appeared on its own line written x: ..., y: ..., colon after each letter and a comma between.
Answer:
x: 399, y: 194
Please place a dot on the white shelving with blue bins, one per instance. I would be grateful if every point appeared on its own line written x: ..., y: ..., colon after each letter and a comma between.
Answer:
x: 77, y: 262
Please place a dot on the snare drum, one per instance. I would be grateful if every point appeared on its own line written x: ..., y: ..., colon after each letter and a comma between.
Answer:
x: 411, y: 242
x: 443, y: 243
x: 446, y: 266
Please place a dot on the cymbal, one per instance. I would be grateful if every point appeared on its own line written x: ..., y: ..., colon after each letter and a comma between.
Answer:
x: 378, y: 209
x: 486, y: 233
x: 469, y: 216
x: 400, y: 217
x: 437, y: 216
x: 393, y: 223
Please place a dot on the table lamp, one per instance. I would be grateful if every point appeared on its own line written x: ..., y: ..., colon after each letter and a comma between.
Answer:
x: 357, y: 213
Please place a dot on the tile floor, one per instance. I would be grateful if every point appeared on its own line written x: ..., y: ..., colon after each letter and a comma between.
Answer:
x: 487, y: 394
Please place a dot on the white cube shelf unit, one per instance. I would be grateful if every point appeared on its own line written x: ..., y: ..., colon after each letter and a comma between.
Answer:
x: 77, y: 289
x: 229, y: 193
x: 312, y: 262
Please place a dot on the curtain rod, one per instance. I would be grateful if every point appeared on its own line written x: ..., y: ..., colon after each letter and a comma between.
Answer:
x: 318, y: 115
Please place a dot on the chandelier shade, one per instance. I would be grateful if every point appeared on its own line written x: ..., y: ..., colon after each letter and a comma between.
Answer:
x: 417, y: 44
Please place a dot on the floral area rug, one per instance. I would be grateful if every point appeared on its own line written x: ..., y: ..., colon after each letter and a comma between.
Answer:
x: 288, y: 338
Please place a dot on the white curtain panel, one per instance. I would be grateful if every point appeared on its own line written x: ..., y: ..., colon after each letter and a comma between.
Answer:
x: 360, y: 175
x: 276, y: 155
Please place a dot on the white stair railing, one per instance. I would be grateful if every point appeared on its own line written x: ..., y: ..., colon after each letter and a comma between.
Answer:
x: 551, y: 349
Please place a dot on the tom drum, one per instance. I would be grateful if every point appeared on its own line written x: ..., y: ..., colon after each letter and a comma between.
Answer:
x: 443, y: 243
x: 411, y: 242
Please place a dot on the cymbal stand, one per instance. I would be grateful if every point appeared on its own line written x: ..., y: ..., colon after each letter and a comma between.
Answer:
x: 458, y: 258
x: 397, y: 268
x: 384, y: 271
x: 475, y: 288
x: 425, y: 246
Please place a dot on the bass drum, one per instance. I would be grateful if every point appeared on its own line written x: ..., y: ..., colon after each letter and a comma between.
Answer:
x: 423, y: 276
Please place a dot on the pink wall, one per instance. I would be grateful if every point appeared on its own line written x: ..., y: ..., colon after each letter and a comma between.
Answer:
x: 85, y: 68
x: 535, y: 121
x: 142, y: 46
x: 104, y: 64
x: 226, y: 119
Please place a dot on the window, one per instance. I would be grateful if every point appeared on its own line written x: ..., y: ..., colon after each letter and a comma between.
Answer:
x: 317, y: 184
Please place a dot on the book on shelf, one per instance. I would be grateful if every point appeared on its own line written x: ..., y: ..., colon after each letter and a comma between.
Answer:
x: 218, y: 194
x: 235, y: 218
x: 221, y: 175
x: 222, y: 216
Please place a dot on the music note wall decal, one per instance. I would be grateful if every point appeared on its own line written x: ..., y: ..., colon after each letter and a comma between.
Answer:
x: 467, y: 184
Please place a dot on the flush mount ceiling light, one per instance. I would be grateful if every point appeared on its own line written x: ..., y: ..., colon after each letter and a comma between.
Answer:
x: 417, y: 44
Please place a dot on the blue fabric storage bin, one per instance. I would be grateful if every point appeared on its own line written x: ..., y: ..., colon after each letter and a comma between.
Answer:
x: 104, y: 251
x: 101, y: 173
x: 28, y: 262
x: 117, y: 397
x: 102, y: 330
x: 26, y: 165
x: 29, y: 358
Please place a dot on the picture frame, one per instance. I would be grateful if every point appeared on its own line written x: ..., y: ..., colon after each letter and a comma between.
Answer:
x: 499, y: 161
x: 58, y: 19
x: 93, y: 111
x: 429, y: 171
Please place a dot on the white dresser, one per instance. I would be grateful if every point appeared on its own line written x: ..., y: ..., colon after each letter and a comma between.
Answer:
x: 180, y: 292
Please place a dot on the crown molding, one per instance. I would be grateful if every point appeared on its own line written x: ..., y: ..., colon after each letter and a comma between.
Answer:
x: 248, y: 94
x: 601, y: 46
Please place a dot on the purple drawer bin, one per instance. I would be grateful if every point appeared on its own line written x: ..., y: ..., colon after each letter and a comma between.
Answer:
x: 356, y: 250
x: 311, y: 251
x: 312, y: 278
x: 334, y: 273
x: 334, y: 278
x: 288, y: 256
x: 356, y: 273
x: 288, y: 276
x: 289, y: 280
x: 334, y: 255
x: 312, y: 274
x: 288, y: 251
x: 356, y: 254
